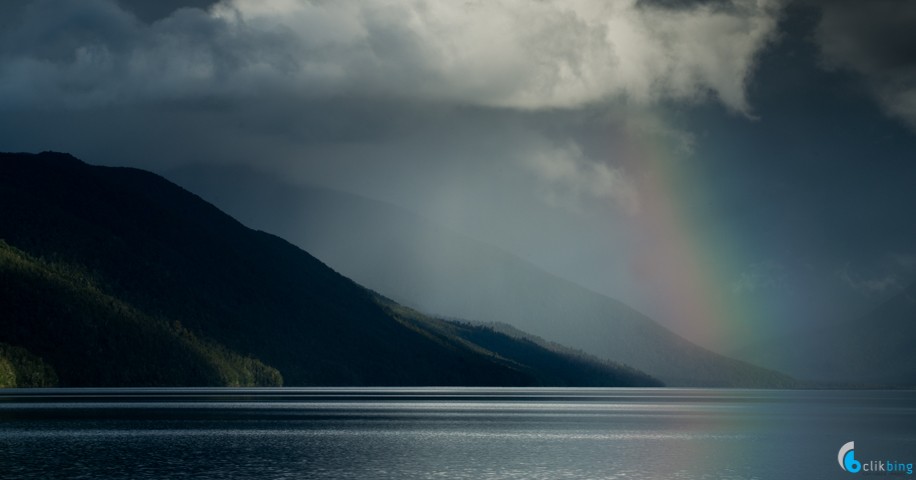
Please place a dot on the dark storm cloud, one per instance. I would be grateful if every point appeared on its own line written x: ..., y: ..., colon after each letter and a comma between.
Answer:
x: 877, y: 40
x: 502, y: 54
x: 54, y: 31
x: 329, y: 80
x: 151, y: 10
x: 686, y: 4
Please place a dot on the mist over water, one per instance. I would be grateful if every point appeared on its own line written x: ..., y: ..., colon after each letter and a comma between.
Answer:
x: 448, y: 433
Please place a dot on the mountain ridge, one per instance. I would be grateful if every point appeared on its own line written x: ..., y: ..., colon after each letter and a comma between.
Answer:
x: 168, y: 254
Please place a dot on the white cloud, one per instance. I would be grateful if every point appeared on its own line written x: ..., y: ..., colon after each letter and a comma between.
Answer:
x: 881, y: 284
x: 904, y: 261
x: 572, y: 179
x: 760, y: 276
x: 884, y: 284
x: 507, y: 53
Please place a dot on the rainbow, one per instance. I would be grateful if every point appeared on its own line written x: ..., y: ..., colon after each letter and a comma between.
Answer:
x: 687, y: 259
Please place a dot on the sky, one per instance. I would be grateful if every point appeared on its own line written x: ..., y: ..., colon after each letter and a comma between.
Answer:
x: 733, y: 169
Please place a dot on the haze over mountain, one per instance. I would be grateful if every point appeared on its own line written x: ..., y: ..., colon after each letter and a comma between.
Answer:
x: 439, y: 271
x: 874, y: 349
x: 116, y: 277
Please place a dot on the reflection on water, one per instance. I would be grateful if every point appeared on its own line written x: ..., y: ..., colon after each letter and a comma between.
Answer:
x: 447, y: 433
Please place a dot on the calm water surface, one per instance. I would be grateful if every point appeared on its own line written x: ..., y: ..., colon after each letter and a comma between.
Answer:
x: 449, y: 433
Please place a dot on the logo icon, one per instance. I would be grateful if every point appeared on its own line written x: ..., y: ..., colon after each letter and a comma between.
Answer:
x: 847, y: 458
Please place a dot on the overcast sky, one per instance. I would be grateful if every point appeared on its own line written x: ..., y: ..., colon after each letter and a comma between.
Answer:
x: 763, y: 148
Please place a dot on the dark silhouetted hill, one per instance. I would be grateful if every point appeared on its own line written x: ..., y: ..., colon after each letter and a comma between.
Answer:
x: 92, y: 338
x: 115, y: 276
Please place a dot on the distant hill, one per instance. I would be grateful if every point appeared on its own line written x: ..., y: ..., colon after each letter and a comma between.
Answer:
x: 115, y: 276
x: 552, y: 364
x: 436, y: 270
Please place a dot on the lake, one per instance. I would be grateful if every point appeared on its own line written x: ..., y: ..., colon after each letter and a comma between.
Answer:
x: 444, y: 433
